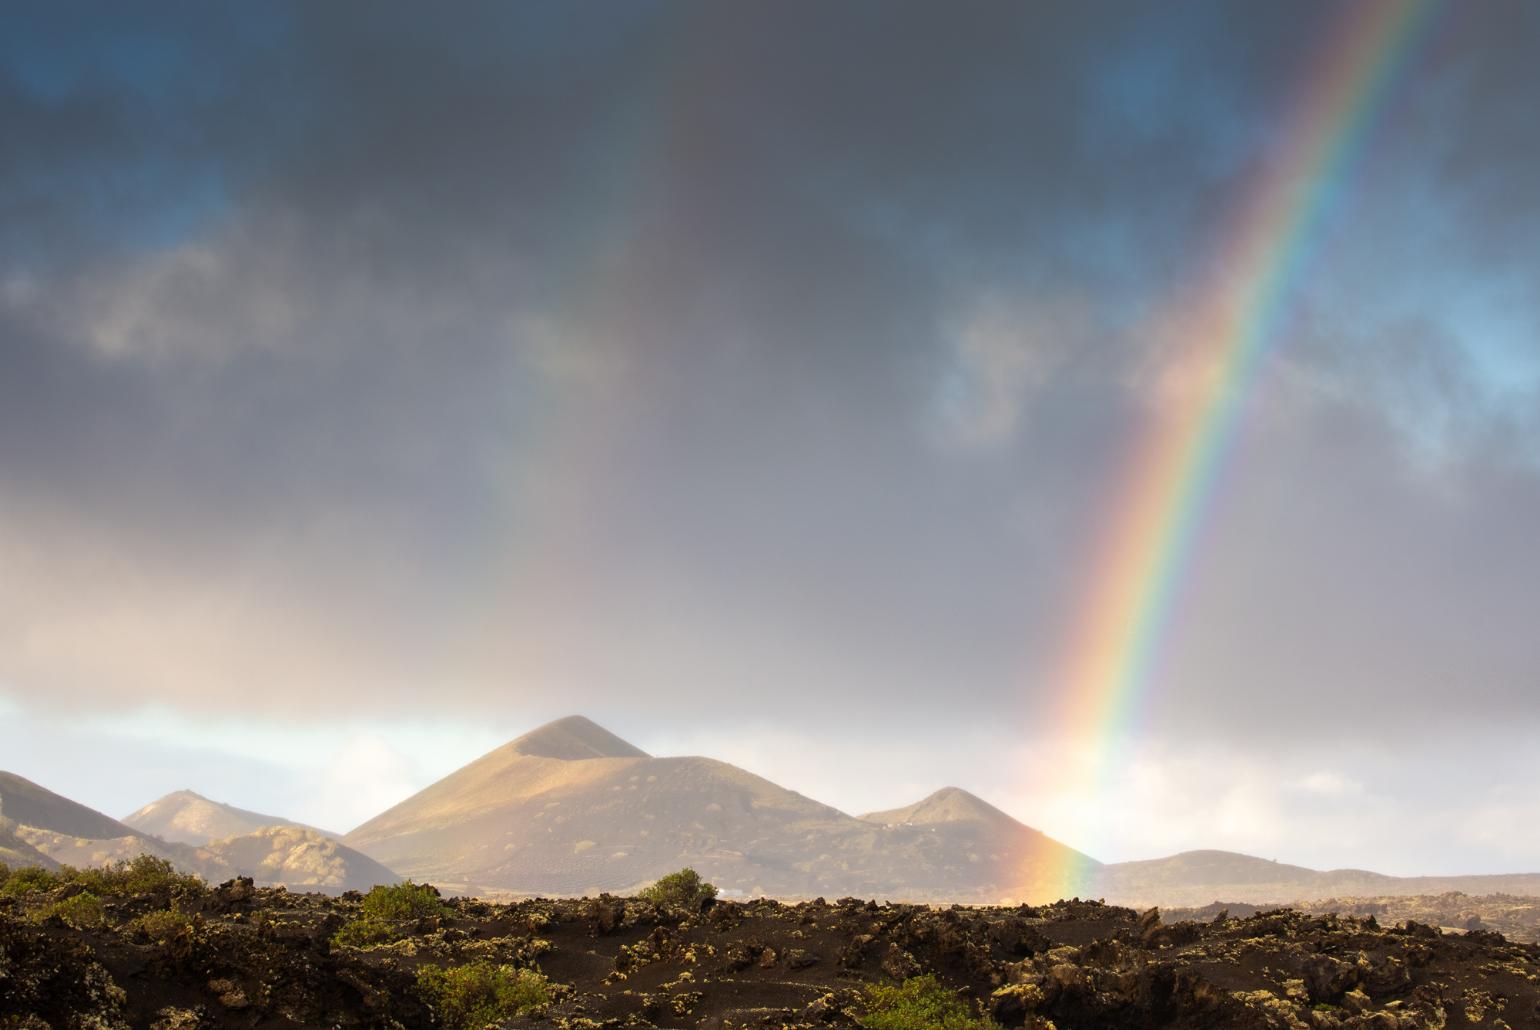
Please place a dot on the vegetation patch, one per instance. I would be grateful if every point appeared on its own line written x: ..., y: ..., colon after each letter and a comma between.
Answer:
x: 389, y: 913
x: 83, y: 911
x: 162, y: 925
x: 919, y: 1003
x: 144, y: 874
x: 684, y: 888
x: 27, y: 880
x: 470, y: 996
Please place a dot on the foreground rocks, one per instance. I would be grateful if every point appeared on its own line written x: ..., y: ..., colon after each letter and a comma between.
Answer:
x: 239, y: 956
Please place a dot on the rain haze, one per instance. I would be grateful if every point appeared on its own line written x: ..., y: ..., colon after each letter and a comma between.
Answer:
x: 759, y: 380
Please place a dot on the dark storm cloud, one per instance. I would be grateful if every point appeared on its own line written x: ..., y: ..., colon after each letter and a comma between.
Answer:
x: 707, y: 350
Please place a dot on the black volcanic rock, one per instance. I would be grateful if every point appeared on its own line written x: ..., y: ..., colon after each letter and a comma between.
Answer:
x: 266, y: 958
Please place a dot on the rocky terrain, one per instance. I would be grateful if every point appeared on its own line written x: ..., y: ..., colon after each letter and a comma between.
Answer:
x: 169, y: 953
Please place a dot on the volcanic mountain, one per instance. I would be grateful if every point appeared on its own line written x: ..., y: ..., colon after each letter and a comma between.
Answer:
x: 39, y: 824
x: 184, y: 817
x: 571, y: 808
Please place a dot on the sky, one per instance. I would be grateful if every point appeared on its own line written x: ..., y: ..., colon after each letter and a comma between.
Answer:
x: 753, y: 379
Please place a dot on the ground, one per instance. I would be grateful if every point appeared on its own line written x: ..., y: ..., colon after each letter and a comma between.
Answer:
x: 238, y: 956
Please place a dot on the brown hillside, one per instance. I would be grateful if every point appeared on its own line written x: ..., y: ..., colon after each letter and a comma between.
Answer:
x: 184, y: 817
x: 611, y: 818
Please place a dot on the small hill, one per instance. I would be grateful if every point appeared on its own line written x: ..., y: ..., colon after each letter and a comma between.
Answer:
x: 960, y: 840
x: 184, y: 817
x: 1196, y: 868
x: 44, y: 828
x: 68, y: 849
x: 1195, y: 878
x: 298, y: 858
x: 947, y: 805
x: 571, y: 808
x: 17, y: 853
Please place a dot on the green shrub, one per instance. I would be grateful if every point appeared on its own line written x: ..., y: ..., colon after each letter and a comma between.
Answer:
x: 469, y: 997
x: 919, y: 1003
x: 143, y: 874
x: 161, y: 925
x: 82, y: 911
x: 684, y: 888
x: 28, y: 879
x: 404, y: 901
x: 386, y: 913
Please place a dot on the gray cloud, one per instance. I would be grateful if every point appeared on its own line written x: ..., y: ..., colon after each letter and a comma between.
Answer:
x: 719, y: 354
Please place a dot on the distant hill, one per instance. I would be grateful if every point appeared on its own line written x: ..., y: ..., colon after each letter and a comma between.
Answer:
x: 571, y: 808
x: 947, y: 805
x: 44, y: 828
x: 1195, y: 878
x: 184, y: 817
x: 299, y: 858
x: 17, y: 853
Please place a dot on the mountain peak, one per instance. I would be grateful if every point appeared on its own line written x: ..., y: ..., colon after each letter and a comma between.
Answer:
x: 947, y: 805
x: 572, y: 739
x: 187, y: 817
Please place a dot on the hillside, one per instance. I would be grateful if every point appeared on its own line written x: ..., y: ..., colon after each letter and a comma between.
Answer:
x: 298, y: 858
x: 949, y: 805
x: 16, y: 852
x: 570, y: 808
x: 184, y: 817
x: 28, y: 804
x: 49, y: 829
x: 1195, y: 878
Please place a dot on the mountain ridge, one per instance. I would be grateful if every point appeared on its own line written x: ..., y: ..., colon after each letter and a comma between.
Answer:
x: 545, y: 814
x: 42, y: 827
x: 571, y: 808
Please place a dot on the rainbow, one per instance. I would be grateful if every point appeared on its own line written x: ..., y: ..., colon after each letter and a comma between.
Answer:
x: 1220, y: 341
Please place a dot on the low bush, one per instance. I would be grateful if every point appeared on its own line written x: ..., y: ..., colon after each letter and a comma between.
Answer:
x: 143, y: 874
x: 386, y: 913
x: 919, y: 1003
x: 161, y: 925
x: 83, y: 911
x: 471, y: 996
x: 684, y: 888
x: 29, y: 879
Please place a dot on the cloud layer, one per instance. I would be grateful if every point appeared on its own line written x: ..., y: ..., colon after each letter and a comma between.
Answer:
x: 752, y: 362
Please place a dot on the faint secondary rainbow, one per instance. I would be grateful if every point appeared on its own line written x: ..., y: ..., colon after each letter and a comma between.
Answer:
x: 1223, y: 335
